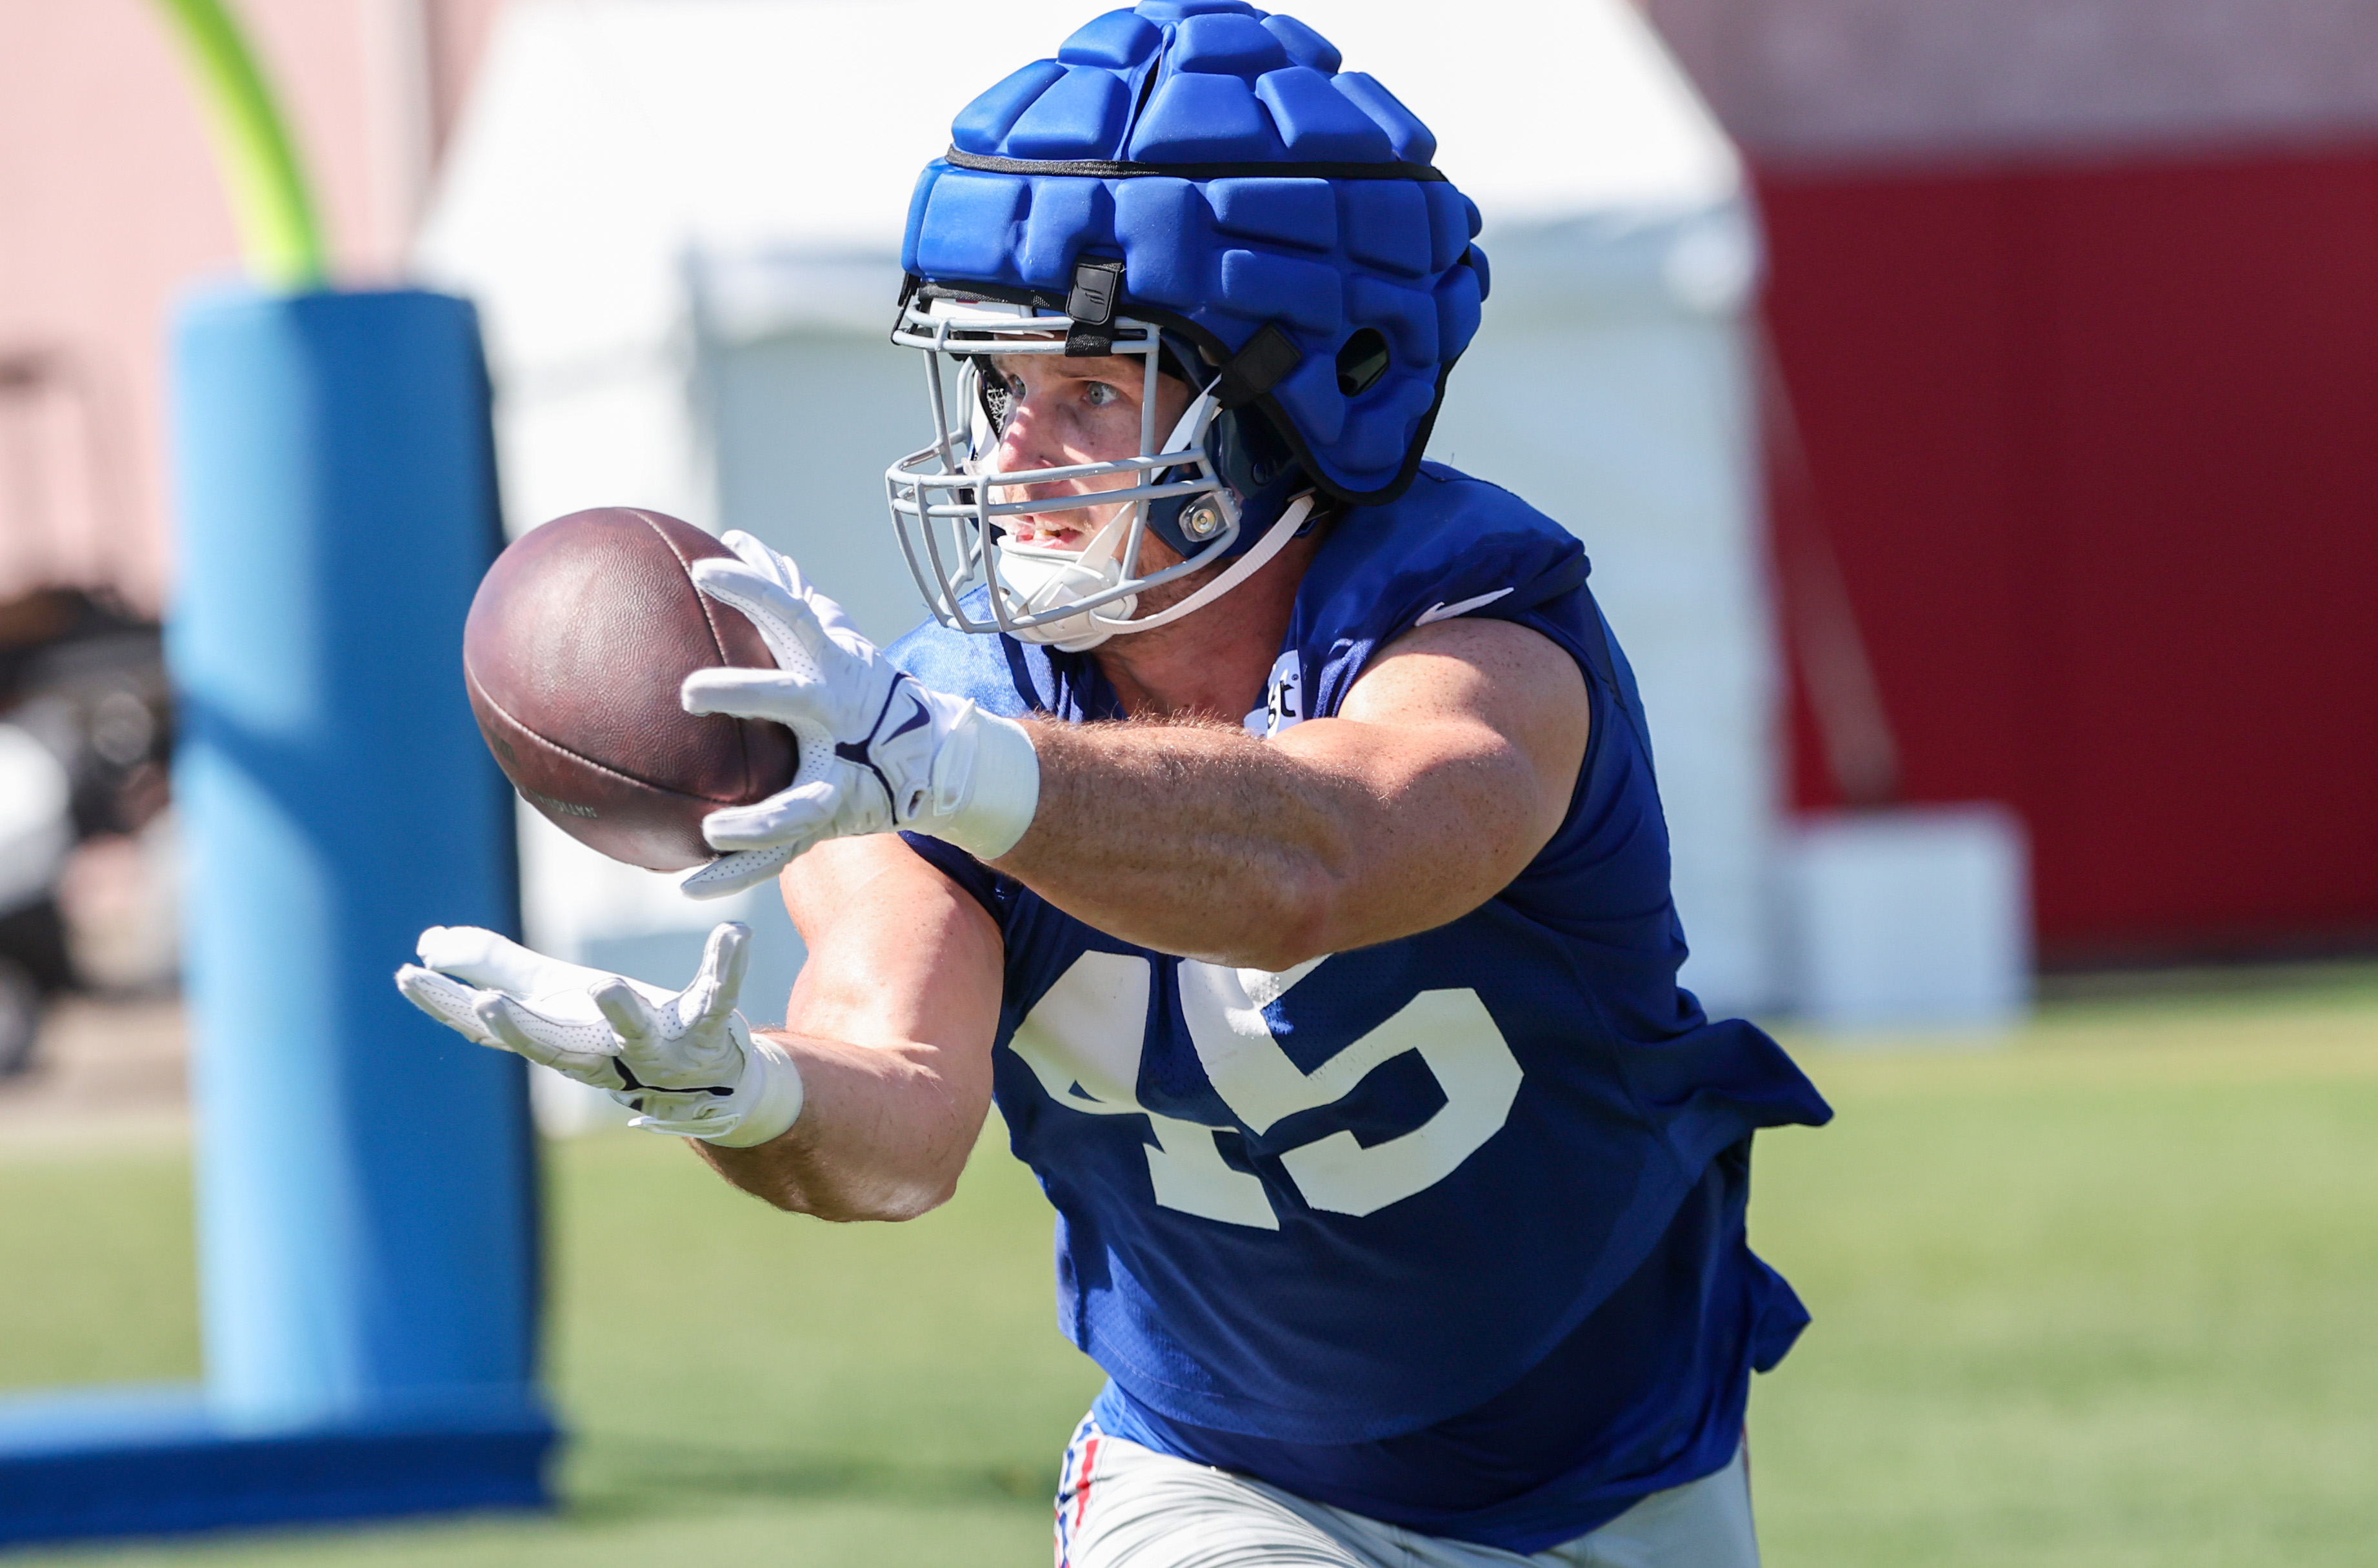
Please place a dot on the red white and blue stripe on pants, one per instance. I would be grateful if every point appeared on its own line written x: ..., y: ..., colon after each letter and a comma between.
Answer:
x: 1073, y: 1486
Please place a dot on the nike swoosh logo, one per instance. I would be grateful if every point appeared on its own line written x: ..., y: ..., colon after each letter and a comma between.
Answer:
x: 1441, y: 611
x: 923, y: 715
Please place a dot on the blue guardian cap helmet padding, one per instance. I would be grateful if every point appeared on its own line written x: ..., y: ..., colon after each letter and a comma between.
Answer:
x: 1195, y: 183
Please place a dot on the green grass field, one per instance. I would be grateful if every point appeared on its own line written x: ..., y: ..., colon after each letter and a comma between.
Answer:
x: 2104, y: 1297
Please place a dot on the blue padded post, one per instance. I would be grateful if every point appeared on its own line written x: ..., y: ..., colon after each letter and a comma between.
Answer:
x: 367, y: 1215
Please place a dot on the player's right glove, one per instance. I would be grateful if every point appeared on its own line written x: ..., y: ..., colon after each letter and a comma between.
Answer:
x: 905, y: 756
x: 684, y: 1060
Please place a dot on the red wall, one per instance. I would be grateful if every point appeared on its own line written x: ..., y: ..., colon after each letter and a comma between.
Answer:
x: 2098, y: 449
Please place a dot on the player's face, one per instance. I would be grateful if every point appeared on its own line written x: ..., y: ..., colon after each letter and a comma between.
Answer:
x: 1063, y: 411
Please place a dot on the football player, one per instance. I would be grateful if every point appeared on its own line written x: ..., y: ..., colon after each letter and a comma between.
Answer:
x: 1265, y: 820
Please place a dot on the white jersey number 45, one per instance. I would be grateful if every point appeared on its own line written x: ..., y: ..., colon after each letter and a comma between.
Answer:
x: 1082, y: 1041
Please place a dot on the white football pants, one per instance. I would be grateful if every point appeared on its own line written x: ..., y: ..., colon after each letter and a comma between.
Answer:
x: 1120, y: 1505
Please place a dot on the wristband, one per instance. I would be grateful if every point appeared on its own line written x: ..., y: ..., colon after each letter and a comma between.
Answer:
x: 986, y: 785
x: 766, y: 1101
x: 770, y: 1092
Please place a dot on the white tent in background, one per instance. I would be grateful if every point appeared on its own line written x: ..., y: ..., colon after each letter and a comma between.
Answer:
x: 681, y: 218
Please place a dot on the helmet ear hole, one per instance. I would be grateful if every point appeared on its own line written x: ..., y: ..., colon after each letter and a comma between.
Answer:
x: 1362, y: 362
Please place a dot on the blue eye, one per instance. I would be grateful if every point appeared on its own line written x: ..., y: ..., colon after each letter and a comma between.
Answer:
x: 1100, y: 394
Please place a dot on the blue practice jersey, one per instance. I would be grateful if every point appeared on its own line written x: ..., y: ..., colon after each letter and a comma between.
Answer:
x: 1310, y: 1215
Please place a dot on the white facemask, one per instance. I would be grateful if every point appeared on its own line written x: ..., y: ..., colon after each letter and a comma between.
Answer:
x: 954, y: 535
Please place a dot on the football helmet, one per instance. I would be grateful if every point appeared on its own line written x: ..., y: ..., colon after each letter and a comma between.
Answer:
x: 1194, y: 185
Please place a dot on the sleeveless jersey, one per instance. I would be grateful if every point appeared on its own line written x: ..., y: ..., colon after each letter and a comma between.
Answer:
x: 1342, y: 1203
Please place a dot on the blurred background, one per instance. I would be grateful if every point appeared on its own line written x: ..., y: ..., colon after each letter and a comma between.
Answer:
x: 1969, y: 411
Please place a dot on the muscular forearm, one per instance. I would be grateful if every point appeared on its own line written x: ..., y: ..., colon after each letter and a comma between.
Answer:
x: 1200, y: 839
x: 890, y: 1024
x: 1185, y: 837
x: 882, y: 1135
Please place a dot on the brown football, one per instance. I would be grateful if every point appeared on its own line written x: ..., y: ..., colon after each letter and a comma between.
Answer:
x: 577, y: 642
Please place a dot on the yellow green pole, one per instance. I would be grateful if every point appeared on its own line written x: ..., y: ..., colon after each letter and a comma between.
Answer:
x: 271, y: 200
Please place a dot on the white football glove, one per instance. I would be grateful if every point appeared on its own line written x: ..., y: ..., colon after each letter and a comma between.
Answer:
x: 684, y: 1060
x: 903, y: 755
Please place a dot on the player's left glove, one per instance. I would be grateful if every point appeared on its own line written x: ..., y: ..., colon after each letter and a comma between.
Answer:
x: 684, y: 1060
x: 905, y: 756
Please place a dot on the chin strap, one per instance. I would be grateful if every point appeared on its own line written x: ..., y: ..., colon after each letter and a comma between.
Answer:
x: 1042, y: 575
x: 1238, y: 571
